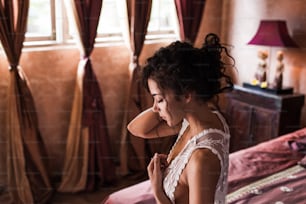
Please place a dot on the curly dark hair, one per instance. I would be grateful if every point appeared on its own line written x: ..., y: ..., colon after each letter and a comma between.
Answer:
x: 182, y: 68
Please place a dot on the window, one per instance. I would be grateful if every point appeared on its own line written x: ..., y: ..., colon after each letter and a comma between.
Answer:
x: 40, y: 25
x: 109, y: 23
x: 48, y: 22
x: 162, y: 19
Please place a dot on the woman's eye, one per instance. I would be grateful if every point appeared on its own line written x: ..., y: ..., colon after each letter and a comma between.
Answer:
x: 160, y: 100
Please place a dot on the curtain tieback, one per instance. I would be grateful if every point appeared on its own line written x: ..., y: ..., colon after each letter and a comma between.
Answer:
x: 134, y: 63
x: 84, y: 57
x: 13, y: 67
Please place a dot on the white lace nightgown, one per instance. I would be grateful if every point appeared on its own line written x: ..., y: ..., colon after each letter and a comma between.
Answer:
x: 215, y: 140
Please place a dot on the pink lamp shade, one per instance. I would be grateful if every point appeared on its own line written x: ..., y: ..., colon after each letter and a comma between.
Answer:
x: 272, y: 33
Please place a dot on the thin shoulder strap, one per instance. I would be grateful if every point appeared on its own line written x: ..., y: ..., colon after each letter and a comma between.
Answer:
x: 223, y: 121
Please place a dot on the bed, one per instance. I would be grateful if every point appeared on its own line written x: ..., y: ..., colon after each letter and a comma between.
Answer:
x: 270, y: 172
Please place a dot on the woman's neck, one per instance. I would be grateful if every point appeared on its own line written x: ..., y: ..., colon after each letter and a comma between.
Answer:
x: 201, y: 117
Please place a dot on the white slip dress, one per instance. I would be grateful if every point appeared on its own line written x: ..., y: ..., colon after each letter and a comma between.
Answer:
x: 215, y: 140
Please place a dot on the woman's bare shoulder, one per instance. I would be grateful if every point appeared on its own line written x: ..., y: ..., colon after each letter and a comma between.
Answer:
x: 204, y: 159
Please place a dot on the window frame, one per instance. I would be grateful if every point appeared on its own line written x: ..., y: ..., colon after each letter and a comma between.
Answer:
x: 60, y: 35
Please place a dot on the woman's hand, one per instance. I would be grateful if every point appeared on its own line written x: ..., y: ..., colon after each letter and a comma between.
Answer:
x: 155, y: 170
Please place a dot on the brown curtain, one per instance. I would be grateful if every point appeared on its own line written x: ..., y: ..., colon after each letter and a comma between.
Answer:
x: 189, y: 14
x: 138, y: 18
x: 28, y: 181
x: 89, y: 162
x: 135, y: 151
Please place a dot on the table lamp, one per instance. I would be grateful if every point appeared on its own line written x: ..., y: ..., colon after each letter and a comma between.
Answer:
x: 273, y: 33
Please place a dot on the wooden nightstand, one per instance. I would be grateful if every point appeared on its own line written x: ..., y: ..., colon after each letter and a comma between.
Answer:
x: 255, y: 116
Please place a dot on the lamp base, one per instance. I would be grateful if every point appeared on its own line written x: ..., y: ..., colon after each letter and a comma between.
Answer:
x: 284, y: 90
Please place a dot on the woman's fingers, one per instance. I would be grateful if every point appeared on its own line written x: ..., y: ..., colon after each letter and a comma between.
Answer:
x: 157, y: 164
x: 163, y: 156
x: 163, y: 161
x: 150, y: 167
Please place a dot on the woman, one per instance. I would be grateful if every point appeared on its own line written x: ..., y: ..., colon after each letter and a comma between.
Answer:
x: 184, y: 82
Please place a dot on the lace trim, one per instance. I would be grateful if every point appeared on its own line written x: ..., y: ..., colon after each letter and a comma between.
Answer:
x: 171, y: 180
x: 206, y: 131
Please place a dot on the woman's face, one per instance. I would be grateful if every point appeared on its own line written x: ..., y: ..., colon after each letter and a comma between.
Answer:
x: 166, y: 104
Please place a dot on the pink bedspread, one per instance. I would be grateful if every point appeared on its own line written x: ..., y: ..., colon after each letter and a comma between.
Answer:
x: 289, y: 190
x: 136, y: 194
x: 257, y: 162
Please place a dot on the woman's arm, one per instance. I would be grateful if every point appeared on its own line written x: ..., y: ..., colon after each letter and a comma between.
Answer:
x: 148, y: 124
x: 203, y: 173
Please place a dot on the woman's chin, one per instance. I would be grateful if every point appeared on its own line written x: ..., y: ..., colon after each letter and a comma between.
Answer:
x: 170, y: 124
x: 173, y: 124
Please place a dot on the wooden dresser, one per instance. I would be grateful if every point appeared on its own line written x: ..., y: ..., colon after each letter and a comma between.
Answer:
x: 255, y: 116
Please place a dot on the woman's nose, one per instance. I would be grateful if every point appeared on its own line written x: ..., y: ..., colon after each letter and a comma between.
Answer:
x: 155, y: 108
